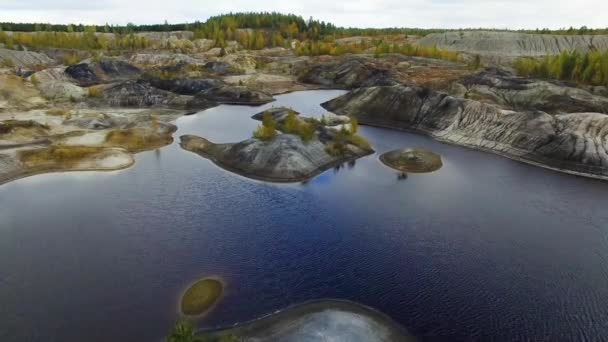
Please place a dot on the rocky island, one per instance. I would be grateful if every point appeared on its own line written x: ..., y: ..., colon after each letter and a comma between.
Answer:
x: 413, y: 160
x: 331, y: 320
x: 303, y: 148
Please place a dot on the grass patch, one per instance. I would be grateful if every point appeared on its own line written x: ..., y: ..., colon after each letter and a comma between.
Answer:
x: 8, y: 126
x: 95, y: 91
x: 71, y: 59
x: 201, y: 296
x: 64, y: 155
x: 136, y: 139
x: 57, y: 112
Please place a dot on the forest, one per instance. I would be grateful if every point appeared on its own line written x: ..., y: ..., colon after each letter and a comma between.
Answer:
x: 286, y: 23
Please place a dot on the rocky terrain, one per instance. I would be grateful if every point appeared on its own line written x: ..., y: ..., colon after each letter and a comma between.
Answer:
x: 92, y: 116
x: 128, y: 100
x: 506, y: 46
x: 574, y: 143
x: 500, y: 87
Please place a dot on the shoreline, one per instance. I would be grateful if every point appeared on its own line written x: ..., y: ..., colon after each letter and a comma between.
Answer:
x: 293, y: 312
x: 487, y: 150
x: 31, y: 173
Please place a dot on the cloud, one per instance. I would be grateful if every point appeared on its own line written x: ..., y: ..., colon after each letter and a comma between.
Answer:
x: 356, y: 13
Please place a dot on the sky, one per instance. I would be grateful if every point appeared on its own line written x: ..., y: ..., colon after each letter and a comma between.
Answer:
x: 513, y: 14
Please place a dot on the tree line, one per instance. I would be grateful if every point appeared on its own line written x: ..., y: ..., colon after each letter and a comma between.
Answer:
x: 87, y: 40
x: 586, y: 68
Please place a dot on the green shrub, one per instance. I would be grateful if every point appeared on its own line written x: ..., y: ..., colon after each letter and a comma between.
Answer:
x: 71, y: 59
x: 35, y: 80
x: 293, y: 125
x: 267, y: 130
x: 183, y: 332
x: 354, y: 125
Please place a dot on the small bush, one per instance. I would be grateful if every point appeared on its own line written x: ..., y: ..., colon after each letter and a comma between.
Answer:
x: 344, y: 137
x: 359, y: 141
x: 71, y: 59
x: 266, y: 131
x: 95, y: 91
x: 183, y: 332
x: 35, y: 80
x: 335, y: 149
x: 293, y: 125
x: 475, y: 63
x: 354, y: 125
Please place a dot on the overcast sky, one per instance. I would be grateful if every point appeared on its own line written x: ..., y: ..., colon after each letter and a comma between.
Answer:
x: 363, y: 13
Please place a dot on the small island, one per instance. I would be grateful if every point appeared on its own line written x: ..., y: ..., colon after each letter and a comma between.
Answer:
x: 284, y: 148
x: 412, y: 160
x: 201, y: 296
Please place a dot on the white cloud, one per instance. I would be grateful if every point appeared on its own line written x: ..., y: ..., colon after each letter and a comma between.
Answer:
x: 363, y: 13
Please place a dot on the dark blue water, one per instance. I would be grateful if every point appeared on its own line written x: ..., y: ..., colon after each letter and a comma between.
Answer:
x: 485, y: 248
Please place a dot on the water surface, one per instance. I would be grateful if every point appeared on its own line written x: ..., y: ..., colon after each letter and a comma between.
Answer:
x: 483, y: 248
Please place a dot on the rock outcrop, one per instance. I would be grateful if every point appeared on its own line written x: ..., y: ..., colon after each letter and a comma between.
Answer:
x: 517, y: 93
x: 573, y: 143
x: 238, y: 95
x: 286, y: 158
x: 347, y: 73
x: 510, y: 45
x: 141, y: 94
x: 156, y: 60
x: 25, y: 58
x: 104, y: 71
x: 186, y: 86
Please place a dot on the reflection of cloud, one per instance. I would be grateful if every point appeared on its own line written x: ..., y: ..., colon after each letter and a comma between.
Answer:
x: 362, y: 13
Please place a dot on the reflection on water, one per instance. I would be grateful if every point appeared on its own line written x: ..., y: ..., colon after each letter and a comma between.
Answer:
x: 484, y: 247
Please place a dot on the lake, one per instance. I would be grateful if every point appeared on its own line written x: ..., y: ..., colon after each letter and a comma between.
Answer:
x: 485, y: 248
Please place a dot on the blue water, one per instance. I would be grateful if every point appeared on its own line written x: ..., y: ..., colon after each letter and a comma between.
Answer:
x: 485, y: 248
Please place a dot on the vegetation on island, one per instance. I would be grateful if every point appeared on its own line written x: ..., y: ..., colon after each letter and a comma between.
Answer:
x: 585, y: 68
x: 294, y: 125
x: 66, y: 156
x: 412, y: 160
x: 201, y: 296
x: 345, y: 136
x: 267, y: 130
x: 183, y: 331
